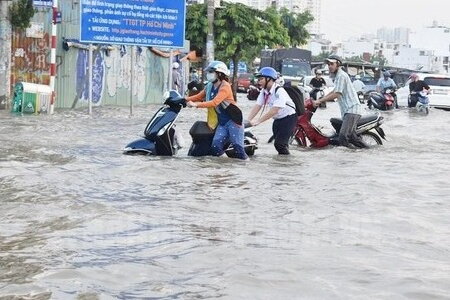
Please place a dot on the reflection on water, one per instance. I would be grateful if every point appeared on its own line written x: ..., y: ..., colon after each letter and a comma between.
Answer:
x: 81, y: 220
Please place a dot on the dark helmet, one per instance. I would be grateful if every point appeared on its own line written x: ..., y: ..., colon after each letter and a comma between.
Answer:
x: 267, y: 72
x: 386, y: 74
x: 334, y: 58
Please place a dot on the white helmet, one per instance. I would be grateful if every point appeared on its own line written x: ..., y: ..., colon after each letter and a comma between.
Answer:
x: 175, y: 65
x: 218, y: 66
x: 357, y: 77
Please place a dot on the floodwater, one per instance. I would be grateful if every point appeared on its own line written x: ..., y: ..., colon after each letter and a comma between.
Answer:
x: 80, y: 220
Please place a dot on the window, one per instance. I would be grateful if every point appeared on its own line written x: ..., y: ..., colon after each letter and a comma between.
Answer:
x: 436, y: 81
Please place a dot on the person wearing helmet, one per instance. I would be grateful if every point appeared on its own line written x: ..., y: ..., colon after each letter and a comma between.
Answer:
x: 351, y: 109
x: 415, y: 87
x: 316, y: 84
x: 281, y: 109
x: 387, y: 83
x: 223, y: 114
x: 176, y: 77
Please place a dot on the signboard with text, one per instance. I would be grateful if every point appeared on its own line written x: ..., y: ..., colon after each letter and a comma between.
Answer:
x: 133, y: 22
x: 45, y: 3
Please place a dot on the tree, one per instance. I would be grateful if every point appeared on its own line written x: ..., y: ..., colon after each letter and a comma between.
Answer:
x: 20, y: 14
x: 196, y: 26
x: 322, y: 56
x: 241, y: 32
x: 296, y: 25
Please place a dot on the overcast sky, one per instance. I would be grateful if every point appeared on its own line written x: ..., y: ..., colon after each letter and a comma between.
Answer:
x: 344, y: 18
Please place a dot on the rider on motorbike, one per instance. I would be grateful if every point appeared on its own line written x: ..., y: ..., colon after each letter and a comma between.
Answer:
x: 316, y: 84
x: 416, y: 86
x: 386, y: 83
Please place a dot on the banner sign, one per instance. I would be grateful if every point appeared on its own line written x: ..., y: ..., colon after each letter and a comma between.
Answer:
x: 46, y: 3
x: 133, y: 22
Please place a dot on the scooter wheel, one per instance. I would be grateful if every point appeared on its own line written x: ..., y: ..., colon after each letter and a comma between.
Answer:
x: 371, y: 138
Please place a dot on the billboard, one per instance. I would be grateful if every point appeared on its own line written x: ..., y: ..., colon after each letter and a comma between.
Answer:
x: 133, y: 22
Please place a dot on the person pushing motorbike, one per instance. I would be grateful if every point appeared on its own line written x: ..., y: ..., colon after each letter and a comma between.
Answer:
x: 282, y: 109
x: 349, y: 104
x: 416, y: 86
x: 223, y: 114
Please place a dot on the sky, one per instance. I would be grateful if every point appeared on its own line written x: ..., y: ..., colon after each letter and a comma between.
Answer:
x: 346, y: 18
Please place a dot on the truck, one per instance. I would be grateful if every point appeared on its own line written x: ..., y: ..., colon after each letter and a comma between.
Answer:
x: 292, y: 63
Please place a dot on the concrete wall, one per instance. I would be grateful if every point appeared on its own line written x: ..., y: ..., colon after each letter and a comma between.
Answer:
x: 5, y: 54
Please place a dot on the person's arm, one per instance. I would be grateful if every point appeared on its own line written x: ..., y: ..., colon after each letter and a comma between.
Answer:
x: 223, y: 94
x: 255, y: 109
x: 393, y: 84
x: 329, y: 97
x: 271, y: 113
x: 197, y: 97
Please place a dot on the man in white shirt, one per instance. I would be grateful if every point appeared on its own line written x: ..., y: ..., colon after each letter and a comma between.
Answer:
x: 281, y: 109
x: 358, y: 84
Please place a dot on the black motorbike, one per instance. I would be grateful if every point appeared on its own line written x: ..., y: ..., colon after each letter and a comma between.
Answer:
x: 160, y: 136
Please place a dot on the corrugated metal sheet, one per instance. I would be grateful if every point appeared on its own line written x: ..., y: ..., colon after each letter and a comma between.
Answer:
x: 112, y: 69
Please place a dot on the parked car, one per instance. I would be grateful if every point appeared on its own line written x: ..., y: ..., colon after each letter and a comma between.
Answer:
x: 439, y: 90
x: 244, y: 81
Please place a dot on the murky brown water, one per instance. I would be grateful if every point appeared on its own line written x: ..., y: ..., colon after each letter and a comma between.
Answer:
x: 79, y: 220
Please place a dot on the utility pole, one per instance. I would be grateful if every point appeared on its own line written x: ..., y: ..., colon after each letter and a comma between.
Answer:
x: 5, y: 55
x: 210, y: 35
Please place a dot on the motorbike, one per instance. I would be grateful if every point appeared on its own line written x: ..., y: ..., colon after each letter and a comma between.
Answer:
x: 161, y: 137
x: 385, y: 100
x: 307, y: 134
x: 420, y: 101
x: 202, y: 137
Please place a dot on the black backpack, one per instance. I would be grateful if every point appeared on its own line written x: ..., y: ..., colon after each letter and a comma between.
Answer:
x: 296, y: 96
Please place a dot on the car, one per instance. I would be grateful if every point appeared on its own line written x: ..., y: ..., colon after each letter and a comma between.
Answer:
x: 439, y: 90
x: 244, y: 81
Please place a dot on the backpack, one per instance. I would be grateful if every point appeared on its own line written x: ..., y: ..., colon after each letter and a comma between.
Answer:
x: 296, y: 96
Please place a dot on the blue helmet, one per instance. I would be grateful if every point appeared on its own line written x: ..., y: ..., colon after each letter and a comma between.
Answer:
x: 267, y: 72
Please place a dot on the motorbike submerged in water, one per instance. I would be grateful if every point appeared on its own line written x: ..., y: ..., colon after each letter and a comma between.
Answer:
x: 161, y: 136
x: 306, y: 134
x: 386, y: 100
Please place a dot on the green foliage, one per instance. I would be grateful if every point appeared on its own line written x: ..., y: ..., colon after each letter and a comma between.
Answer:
x: 196, y: 25
x: 20, y: 13
x: 296, y: 25
x: 321, y: 56
x: 240, y: 32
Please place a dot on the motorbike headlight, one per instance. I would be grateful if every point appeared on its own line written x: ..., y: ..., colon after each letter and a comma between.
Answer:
x: 164, y: 129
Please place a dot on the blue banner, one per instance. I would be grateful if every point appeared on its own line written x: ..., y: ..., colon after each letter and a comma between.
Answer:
x: 46, y: 3
x: 133, y: 22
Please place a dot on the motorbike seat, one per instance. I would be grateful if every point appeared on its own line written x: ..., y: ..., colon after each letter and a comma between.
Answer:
x: 200, y: 131
x: 363, y: 120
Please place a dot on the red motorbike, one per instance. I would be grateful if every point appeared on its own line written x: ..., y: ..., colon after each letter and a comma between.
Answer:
x: 307, y: 134
x: 385, y: 100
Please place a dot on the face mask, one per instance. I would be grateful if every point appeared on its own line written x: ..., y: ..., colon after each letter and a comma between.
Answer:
x: 211, y: 77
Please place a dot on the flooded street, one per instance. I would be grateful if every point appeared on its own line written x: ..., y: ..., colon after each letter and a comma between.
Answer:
x: 80, y: 220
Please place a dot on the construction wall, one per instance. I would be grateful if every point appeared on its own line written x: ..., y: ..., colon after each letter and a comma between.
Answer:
x: 113, y: 70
